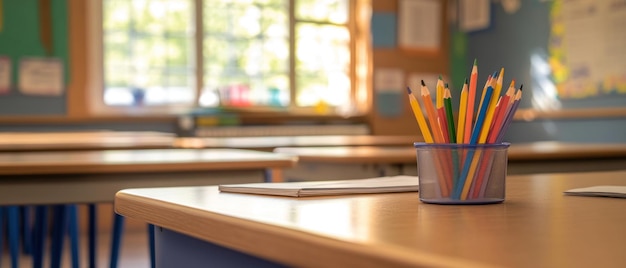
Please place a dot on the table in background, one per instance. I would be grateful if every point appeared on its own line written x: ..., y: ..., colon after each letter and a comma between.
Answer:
x: 84, y: 140
x: 353, y: 162
x: 536, y: 226
x: 269, y: 143
x: 94, y: 176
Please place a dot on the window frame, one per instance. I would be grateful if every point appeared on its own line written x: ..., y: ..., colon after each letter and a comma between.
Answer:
x: 360, y: 64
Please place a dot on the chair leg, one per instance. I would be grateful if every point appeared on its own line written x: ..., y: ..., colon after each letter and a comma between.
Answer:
x: 93, y: 227
x: 118, y: 229
x: 58, y: 235
x: 13, y: 228
x: 72, y: 215
x: 151, y: 245
x: 40, y: 229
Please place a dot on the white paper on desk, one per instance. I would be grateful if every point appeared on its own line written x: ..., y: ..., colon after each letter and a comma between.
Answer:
x: 318, y: 188
x: 600, y: 191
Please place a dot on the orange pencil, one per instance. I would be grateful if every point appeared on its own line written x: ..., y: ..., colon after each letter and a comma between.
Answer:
x: 432, y: 114
x: 471, y: 102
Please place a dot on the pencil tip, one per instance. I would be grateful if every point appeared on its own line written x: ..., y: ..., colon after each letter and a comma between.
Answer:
x: 423, y: 84
x: 475, y: 61
x: 466, y: 80
x: 440, y: 77
x: 521, y: 86
x: 408, y: 89
x: 446, y: 85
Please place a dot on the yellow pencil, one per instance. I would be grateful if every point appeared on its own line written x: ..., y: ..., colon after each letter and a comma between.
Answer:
x: 421, y: 121
x: 462, y: 114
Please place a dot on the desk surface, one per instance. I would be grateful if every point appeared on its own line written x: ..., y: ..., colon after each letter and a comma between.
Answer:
x: 269, y: 143
x: 88, y: 140
x: 517, y: 152
x: 537, y: 226
x: 144, y: 160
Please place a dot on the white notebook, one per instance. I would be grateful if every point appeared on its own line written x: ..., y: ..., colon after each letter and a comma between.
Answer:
x: 390, y: 184
x: 602, y: 191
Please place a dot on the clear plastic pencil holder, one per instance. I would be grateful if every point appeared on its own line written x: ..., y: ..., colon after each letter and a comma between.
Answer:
x: 461, y: 173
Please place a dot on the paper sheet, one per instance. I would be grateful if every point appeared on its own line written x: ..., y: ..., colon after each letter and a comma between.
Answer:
x: 600, y: 191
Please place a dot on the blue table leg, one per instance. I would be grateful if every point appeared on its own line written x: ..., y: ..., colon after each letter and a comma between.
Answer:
x: 1, y: 232
x: 40, y: 229
x: 58, y: 234
x: 27, y: 238
x: 151, y: 245
x: 93, y: 226
x: 118, y: 229
x: 13, y: 228
x: 72, y: 215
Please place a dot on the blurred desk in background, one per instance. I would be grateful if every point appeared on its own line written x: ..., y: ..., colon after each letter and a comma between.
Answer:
x: 87, y: 140
x: 94, y: 176
x: 355, y: 162
x: 269, y: 143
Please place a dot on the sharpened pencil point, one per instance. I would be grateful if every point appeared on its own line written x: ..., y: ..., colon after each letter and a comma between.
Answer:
x: 521, y: 86
x: 446, y: 85
x: 408, y: 89
x: 475, y: 61
x: 440, y: 77
x: 466, y: 80
x: 423, y: 84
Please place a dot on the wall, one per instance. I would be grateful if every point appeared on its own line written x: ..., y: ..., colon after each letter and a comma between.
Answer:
x: 392, y: 114
x: 516, y: 41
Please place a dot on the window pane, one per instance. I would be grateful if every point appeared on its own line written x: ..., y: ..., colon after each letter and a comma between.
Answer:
x: 148, y: 52
x: 333, y: 11
x: 322, y: 64
x: 246, y: 53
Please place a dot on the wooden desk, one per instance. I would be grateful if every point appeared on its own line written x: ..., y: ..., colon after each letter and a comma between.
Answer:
x: 319, y: 163
x: 87, y: 140
x: 95, y: 176
x: 536, y: 226
x: 269, y: 143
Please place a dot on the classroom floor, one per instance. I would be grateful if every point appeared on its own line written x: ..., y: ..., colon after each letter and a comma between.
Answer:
x: 134, y: 252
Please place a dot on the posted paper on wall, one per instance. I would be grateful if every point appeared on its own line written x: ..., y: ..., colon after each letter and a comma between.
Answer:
x: 5, y: 74
x: 41, y: 76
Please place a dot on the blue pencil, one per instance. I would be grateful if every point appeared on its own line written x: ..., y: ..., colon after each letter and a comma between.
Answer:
x: 473, y: 140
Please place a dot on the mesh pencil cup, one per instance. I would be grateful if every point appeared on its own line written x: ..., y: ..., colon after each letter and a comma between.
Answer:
x: 461, y: 173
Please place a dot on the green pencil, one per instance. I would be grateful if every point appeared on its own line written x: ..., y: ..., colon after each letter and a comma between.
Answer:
x: 447, y: 102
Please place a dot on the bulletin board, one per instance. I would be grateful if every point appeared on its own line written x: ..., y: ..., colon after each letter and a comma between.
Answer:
x: 567, y: 71
x: 33, y: 29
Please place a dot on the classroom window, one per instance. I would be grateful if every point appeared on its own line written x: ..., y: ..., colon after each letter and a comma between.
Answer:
x: 291, y: 54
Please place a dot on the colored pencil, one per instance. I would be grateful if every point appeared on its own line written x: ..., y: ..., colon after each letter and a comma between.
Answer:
x: 419, y: 116
x: 432, y: 115
x: 447, y: 102
x: 471, y: 102
x: 510, y: 114
x: 463, y: 106
x: 441, y: 112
